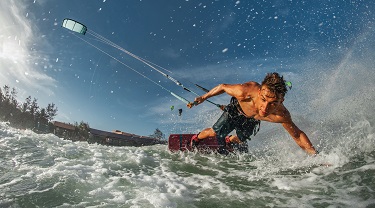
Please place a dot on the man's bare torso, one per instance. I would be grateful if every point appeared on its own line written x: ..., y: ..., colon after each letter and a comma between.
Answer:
x: 249, y: 101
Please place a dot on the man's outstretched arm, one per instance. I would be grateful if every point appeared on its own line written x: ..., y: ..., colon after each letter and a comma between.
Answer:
x: 300, y: 138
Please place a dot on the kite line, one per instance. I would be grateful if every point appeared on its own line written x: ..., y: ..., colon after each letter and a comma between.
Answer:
x: 80, y: 28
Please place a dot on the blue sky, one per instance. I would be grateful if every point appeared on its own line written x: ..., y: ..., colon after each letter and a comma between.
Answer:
x: 203, y: 42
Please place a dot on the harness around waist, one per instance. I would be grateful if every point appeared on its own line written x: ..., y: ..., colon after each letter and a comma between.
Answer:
x: 235, y: 111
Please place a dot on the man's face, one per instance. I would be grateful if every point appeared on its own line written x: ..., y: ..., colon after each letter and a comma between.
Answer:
x: 268, y: 101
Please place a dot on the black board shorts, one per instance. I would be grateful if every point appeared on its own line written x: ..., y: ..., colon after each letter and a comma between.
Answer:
x: 233, y: 119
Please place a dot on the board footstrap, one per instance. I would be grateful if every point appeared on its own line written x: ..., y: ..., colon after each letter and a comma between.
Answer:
x: 181, y: 142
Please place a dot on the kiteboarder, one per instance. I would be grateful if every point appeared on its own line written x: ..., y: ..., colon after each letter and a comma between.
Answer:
x: 251, y: 103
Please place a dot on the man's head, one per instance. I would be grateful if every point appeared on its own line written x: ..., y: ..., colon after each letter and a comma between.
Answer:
x: 271, y: 93
x: 275, y: 84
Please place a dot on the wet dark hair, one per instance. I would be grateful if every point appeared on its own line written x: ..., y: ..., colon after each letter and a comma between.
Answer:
x: 275, y: 83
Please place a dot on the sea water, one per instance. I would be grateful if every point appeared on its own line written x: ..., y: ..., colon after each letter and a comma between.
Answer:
x: 43, y: 170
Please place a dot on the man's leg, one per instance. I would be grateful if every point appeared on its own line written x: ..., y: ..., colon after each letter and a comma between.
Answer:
x: 223, y: 126
x: 220, y: 130
x: 206, y: 133
x: 234, y: 139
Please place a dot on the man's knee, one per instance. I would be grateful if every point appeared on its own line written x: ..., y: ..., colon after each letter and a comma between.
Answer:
x: 235, y: 139
x: 209, y: 132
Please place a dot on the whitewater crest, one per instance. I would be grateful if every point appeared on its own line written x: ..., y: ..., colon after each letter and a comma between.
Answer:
x: 37, y: 168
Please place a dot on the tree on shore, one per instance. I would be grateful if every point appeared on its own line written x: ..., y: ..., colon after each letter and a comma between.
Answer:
x: 28, y: 115
x: 24, y: 115
x: 51, y: 111
x: 158, y: 134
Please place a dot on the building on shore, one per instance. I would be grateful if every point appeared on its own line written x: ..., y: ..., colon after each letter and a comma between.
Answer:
x: 114, y: 138
x: 119, y: 138
x: 64, y: 130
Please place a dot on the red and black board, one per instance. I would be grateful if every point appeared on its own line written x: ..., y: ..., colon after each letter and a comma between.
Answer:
x: 181, y: 142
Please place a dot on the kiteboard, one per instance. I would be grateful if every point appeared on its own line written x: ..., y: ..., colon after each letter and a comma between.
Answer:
x: 181, y: 142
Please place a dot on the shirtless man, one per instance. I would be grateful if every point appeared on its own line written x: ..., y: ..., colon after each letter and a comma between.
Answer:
x: 251, y: 103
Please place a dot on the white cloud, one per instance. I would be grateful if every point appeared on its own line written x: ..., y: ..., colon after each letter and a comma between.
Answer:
x: 21, y: 66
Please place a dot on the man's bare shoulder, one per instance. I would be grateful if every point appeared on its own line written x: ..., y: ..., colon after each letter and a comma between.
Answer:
x: 251, y: 84
x: 282, y: 115
x: 249, y: 89
x: 241, y: 91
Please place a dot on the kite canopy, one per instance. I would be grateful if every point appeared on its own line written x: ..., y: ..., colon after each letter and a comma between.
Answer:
x: 74, y: 26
